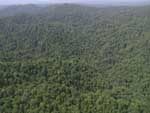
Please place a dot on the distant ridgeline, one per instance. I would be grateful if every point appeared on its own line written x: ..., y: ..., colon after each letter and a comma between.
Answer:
x: 74, y: 59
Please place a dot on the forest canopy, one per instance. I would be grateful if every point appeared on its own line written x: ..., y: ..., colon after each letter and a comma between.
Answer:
x: 74, y: 59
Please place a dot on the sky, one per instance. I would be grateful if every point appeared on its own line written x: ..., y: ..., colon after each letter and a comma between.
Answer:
x: 12, y: 2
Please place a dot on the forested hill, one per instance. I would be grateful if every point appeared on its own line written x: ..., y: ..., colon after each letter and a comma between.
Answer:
x: 2, y: 7
x: 74, y: 59
x: 19, y: 9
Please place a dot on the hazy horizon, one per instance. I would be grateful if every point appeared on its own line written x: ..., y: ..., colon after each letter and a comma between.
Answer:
x: 15, y: 2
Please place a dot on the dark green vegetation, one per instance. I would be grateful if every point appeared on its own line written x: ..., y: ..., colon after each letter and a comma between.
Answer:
x: 75, y: 59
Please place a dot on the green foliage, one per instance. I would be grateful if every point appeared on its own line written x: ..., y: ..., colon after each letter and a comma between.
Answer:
x: 75, y: 59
